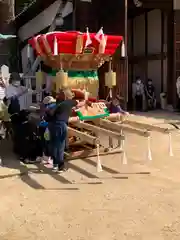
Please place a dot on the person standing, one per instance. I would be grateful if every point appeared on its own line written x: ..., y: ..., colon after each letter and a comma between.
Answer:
x: 58, y: 127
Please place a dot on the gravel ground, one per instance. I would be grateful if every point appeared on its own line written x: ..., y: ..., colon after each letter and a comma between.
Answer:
x: 138, y: 201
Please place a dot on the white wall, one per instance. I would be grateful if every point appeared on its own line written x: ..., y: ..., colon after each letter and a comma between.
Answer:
x: 43, y: 20
x: 139, y: 35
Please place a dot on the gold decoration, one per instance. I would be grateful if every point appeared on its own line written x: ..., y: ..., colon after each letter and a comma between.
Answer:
x: 38, y: 49
x: 47, y: 47
x: 61, y: 80
x: 39, y: 79
x: 79, y: 44
x: 110, y: 79
x: 102, y: 45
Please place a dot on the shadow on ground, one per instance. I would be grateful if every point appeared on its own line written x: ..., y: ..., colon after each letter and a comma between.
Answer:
x: 24, y: 172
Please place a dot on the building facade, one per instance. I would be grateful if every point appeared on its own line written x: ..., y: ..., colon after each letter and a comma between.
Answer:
x: 153, y: 29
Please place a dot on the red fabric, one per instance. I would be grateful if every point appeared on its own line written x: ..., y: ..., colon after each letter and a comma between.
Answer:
x: 67, y: 42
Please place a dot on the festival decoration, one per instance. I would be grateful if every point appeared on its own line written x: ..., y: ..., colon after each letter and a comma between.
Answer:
x: 75, y: 50
x: 74, y: 58
x: 110, y: 79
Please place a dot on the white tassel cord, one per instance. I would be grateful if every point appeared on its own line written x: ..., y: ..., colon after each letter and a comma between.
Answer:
x: 149, y: 154
x: 170, y: 145
x: 98, y: 166
x: 124, y: 157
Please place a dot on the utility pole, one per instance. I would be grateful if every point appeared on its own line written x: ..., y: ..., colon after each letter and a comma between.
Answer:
x: 126, y: 48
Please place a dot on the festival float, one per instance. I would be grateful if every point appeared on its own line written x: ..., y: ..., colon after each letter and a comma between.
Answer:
x: 74, y: 58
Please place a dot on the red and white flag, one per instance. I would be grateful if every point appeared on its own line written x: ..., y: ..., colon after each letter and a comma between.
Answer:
x: 99, y: 35
x: 88, y: 40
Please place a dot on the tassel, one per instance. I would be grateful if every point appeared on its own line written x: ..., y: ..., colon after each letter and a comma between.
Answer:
x: 124, y: 157
x: 170, y: 146
x: 55, y: 47
x: 98, y: 166
x: 123, y: 50
x: 149, y: 149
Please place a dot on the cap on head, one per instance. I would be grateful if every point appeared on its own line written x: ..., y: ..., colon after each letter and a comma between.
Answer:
x: 48, y: 100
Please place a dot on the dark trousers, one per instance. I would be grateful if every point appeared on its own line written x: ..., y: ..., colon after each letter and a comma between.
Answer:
x: 58, y: 135
x: 20, y: 141
x: 139, y: 102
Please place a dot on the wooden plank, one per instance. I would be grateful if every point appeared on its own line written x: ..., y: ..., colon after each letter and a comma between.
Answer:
x: 83, y: 136
x: 123, y: 127
x: 97, y: 130
x: 89, y: 153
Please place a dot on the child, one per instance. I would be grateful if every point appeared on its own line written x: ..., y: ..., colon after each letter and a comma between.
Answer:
x: 48, y: 102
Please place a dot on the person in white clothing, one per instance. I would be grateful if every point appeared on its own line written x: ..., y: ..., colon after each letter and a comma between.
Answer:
x: 16, y: 89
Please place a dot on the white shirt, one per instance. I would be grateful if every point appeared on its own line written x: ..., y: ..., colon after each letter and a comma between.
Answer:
x: 2, y: 93
x: 24, y: 99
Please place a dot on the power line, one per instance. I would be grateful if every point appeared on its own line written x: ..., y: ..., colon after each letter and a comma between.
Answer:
x: 24, y: 10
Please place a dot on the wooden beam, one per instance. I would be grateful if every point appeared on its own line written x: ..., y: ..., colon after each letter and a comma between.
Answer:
x: 98, y: 130
x: 83, y: 136
x: 123, y: 127
x: 152, y: 56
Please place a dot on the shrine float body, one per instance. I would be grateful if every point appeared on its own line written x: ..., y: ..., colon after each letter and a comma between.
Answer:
x: 74, y: 58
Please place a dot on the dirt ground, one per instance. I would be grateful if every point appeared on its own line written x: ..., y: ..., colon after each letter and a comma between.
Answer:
x: 139, y: 201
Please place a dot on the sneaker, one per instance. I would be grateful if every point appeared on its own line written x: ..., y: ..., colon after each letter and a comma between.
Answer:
x: 55, y: 168
x: 62, y: 168
x: 45, y: 160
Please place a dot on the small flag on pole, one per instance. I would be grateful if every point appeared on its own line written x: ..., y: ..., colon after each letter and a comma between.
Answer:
x: 88, y: 40
x: 102, y: 39
x: 99, y: 35
x: 55, y: 46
